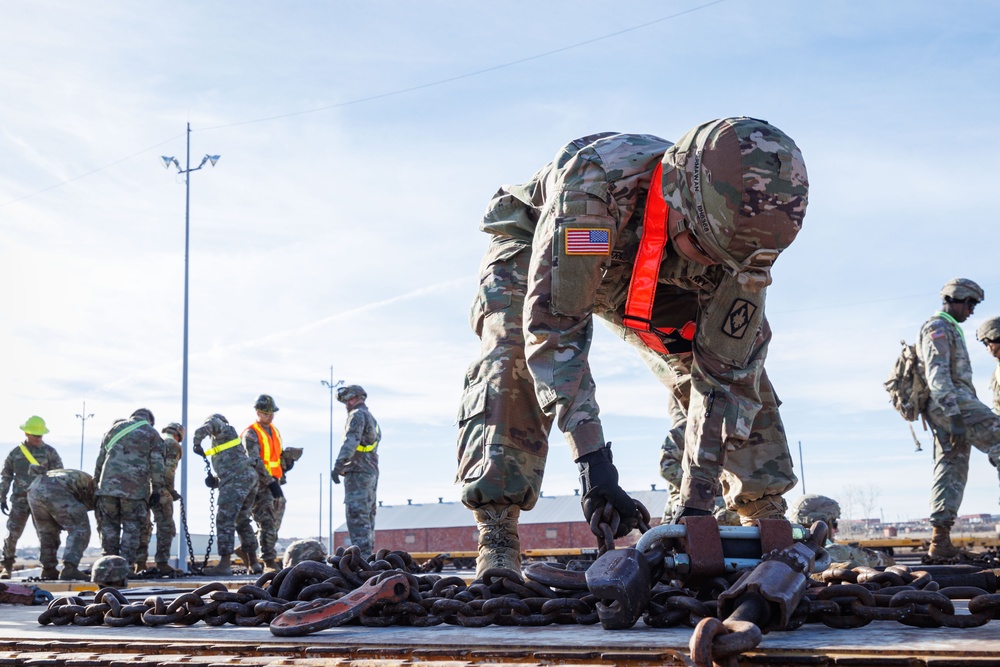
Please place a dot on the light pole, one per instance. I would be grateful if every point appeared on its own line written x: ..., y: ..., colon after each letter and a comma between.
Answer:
x: 83, y: 417
x: 332, y: 385
x: 167, y: 161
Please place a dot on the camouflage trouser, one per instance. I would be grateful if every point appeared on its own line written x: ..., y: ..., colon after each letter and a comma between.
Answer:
x: 233, y: 516
x: 359, y: 501
x: 52, y: 510
x: 120, y: 524
x: 758, y: 468
x: 16, y: 521
x: 951, y: 464
x: 503, y: 433
x: 267, y: 527
x: 279, y: 514
x: 163, y: 519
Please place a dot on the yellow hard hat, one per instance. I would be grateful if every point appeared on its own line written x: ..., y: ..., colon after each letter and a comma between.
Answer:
x: 34, y: 426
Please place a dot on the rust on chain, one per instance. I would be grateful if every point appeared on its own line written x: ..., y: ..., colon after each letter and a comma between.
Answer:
x: 304, y: 619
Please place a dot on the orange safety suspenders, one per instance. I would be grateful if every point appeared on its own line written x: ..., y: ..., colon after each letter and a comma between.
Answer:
x: 270, y: 449
x: 646, y: 272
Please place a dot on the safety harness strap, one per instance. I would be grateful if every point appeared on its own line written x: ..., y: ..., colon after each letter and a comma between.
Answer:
x: 27, y: 455
x: 646, y: 272
x: 223, y: 447
x: 122, y: 433
x: 371, y: 447
x: 948, y: 318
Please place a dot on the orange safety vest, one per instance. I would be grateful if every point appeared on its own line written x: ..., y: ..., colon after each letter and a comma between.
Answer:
x: 645, y: 277
x: 270, y: 449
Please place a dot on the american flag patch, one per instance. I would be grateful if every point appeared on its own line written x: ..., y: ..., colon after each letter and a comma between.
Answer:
x: 588, y: 242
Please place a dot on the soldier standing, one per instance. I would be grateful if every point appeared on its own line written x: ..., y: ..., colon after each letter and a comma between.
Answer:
x: 263, y: 444
x: 357, y: 462
x: 59, y: 500
x: 17, y: 475
x: 957, y: 417
x: 237, y: 484
x: 670, y: 245
x: 989, y: 333
x: 129, y: 475
x: 162, y: 509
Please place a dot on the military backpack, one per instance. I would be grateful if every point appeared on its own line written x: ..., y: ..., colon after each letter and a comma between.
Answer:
x: 906, y: 385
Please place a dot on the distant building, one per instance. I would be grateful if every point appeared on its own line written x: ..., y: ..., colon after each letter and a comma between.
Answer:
x: 556, y: 522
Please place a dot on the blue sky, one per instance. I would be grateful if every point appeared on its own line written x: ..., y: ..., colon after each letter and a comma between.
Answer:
x: 360, y: 143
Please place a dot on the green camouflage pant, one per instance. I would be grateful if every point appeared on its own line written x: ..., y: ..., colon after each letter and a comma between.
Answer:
x: 360, y: 489
x: 267, y: 526
x: 166, y: 529
x: 233, y: 516
x: 120, y: 522
x: 54, y: 510
x: 16, y: 521
x: 951, y: 464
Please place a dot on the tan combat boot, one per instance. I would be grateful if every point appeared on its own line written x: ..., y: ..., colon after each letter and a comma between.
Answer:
x: 223, y: 569
x: 253, y: 563
x: 164, y: 568
x: 50, y: 572
x: 242, y: 555
x: 499, y: 544
x: 71, y: 572
x: 272, y: 565
x: 139, y: 567
x: 8, y: 570
x: 941, y: 546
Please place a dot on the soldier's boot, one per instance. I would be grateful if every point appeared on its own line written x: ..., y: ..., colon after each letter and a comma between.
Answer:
x: 8, y: 569
x: 139, y: 567
x: 272, y: 565
x: 242, y: 555
x: 164, y: 568
x: 253, y: 563
x: 499, y: 544
x: 223, y: 569
x: 941, y: 546
x: 50, y: 572
x: 71, y: 572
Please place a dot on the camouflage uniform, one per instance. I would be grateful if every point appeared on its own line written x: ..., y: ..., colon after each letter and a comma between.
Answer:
x: 810, y: 508
x: 360, y: 471
x: 237, y: 485
x: 301, y: 550
x: 944, y: 361
x: 533, y: 314
x: 263, y: 511
x: 162, y: 511
x: 129, y: 470
x: 16, y: 478
x: 60, y: 500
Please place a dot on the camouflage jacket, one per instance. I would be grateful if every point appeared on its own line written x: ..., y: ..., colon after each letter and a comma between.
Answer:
x: 75, y: 483
x: 944, y: 360
x: 231, y: 465
x: 995, y: 389
x: 172, y: 452
x: 130, y: 463
x: 15, y: 468
x: 252, y: 444
x: 600, y: 183
x: 359, y: 453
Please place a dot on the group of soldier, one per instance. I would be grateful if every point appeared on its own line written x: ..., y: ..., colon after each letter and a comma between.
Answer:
x: 134, y: 477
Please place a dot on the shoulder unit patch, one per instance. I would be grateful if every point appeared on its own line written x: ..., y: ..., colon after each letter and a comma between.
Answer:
x: 736, y: 322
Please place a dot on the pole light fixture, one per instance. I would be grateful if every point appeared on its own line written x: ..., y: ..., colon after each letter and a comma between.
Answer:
x: 83, y: 417
x: 332, y: 385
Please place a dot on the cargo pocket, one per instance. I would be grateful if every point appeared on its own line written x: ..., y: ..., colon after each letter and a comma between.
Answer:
x: 579, y: 251
x: 472, y: 433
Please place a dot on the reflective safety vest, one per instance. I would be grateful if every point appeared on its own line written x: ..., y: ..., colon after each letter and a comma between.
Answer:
x: 27, y: 455
x: 223, y: 447
x: 270, y: 449
x: 645, y: 277
x: 371, y: 447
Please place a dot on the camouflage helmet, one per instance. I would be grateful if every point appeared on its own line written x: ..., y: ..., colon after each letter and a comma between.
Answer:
x: 345, y: 394
x: 265, y: 404
x: 958, y: 289
x: 301, y: 550
x: 144, y: 413
x: 811, y: 508
x: 174, y: 428
x: 110, y: 571
x: 989, y: 330
x: 219, y: 417
x: 741, y: 186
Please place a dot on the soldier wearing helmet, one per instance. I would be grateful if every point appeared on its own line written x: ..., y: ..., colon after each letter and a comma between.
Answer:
x: 264, y: 448
x: 671, y: 246
x: 15, y: 479
x: 302, y: 550
x: 958, y: 419
x: 989, y: 334
x: 357, y: 462
x: 111, y: 571
x: 162, y: 507
x: 810, y: 508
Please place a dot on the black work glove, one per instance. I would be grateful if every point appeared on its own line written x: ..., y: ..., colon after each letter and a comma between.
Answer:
x: 6, y: 509
x: 196, y: 448
x: 956, y: 429
x: 333, y: 475
x: 154, y: 497
x: 174, y: 494
x: 212, y: 482
x: 599, y: 479
x: 275, y: 488
x: 680, y: 512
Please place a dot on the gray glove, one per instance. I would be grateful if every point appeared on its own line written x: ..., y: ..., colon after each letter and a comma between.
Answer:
x: 333, y: 475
